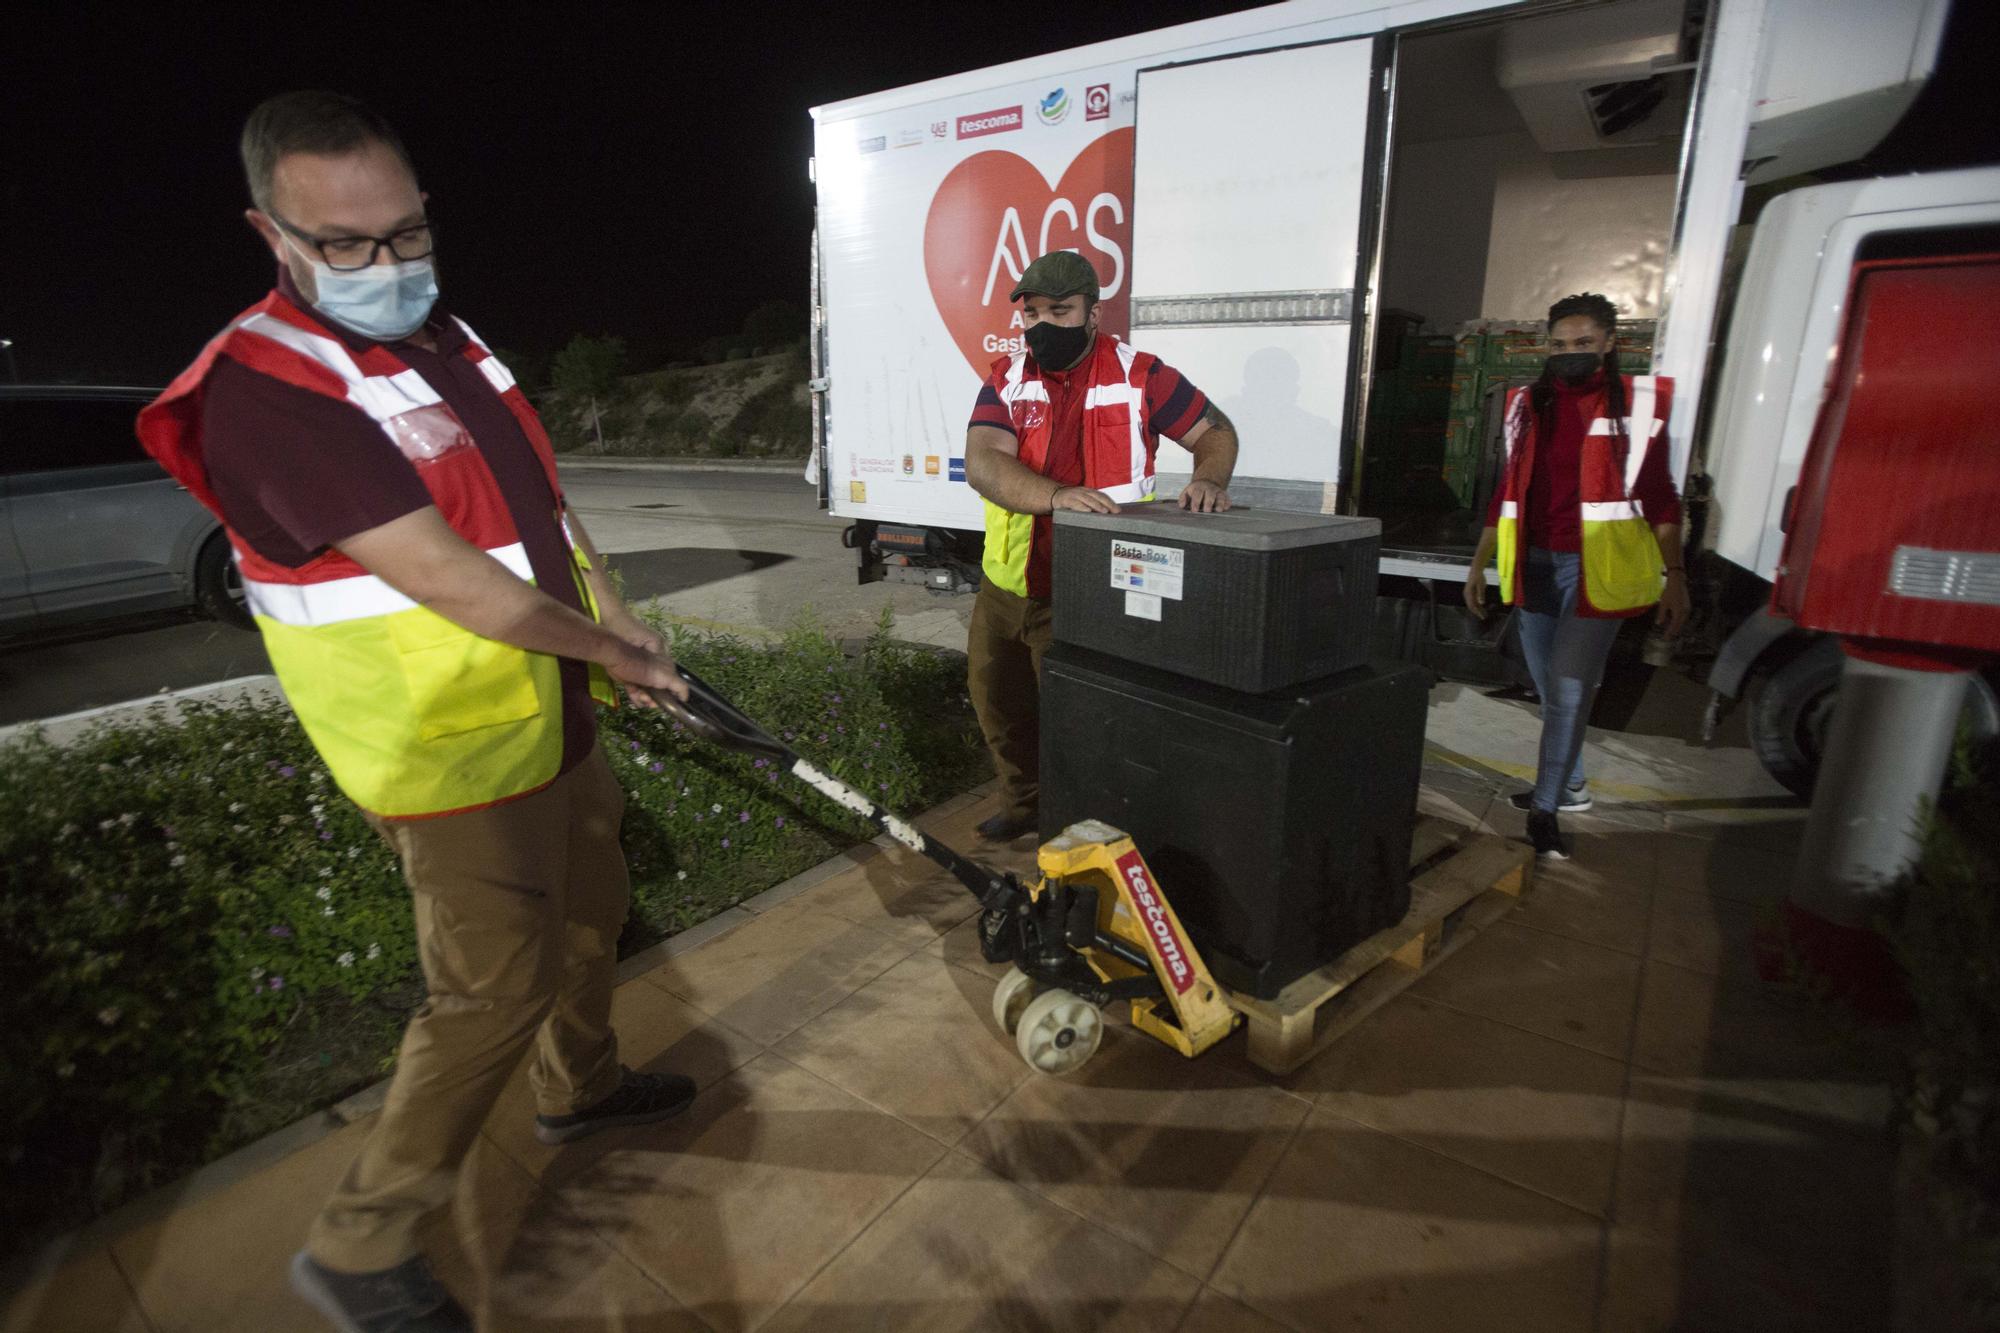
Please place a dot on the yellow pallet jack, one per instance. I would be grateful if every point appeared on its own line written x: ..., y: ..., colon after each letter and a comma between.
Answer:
x: 1094, y: 931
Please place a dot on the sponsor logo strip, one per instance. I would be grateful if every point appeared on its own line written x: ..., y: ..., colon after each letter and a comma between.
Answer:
x: 989, y: 122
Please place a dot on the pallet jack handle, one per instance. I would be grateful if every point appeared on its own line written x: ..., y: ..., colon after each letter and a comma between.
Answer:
x: 714, y: 719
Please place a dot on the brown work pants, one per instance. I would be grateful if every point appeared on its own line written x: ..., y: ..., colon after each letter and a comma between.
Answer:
x: 1003, y: 651
x: 518, y: 910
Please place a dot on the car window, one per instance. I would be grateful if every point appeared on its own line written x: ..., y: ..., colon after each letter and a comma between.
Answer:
x: 48, y: 434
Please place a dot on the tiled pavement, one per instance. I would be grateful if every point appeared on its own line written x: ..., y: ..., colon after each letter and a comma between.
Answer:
x: 1591, y: 1117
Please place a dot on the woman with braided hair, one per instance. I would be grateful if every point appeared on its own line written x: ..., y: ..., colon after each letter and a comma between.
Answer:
x: 1586, y: 529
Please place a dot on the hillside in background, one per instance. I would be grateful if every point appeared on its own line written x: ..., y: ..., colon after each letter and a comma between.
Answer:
x: 753, y: 407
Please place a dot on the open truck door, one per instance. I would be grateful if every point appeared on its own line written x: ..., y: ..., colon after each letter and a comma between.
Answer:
x: 1253, y: 205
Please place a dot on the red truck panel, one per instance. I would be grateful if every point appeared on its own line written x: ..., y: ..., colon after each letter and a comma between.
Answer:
x: 1895, y: 527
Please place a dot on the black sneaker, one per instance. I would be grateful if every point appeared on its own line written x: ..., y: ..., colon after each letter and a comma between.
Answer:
x: 1006, y: 828
x: 403, y: 1299
x: 1546, y: 836
x: 1574, y: 801
x: 641, y: 1099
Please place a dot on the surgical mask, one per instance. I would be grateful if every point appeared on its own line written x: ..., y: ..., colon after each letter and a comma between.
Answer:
x: 385, y: 302
x: 1574, y: 367
x: 1057, y: 347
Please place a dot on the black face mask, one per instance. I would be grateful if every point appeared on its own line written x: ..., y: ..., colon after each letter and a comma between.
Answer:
x: 1574, y: 367
x: 1056, y: 347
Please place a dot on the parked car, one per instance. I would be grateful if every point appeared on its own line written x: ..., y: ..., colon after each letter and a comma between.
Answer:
x: 90, y: 526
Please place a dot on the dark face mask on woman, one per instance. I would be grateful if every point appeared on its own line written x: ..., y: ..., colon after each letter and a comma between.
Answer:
x: 1574, y: 367
x: 1057, y: 346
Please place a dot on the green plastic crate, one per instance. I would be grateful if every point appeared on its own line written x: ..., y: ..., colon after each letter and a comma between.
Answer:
x: 1515, y: 351
x: 1462, y: 438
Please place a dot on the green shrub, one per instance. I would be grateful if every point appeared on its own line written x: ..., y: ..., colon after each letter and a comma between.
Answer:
x: 187, y: 907
x: 772, y: 422
x: 1947, y: 938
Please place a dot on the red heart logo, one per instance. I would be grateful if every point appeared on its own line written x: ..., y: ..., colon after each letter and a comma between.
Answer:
x: 996, y: 212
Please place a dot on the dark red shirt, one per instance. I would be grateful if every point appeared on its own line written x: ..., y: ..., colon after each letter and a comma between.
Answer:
x: 1552, y: 518
x: 297, y: 472
x: 1172, y: 406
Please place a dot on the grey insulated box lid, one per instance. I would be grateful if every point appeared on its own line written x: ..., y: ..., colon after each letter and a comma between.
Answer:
x: 1241, y: 528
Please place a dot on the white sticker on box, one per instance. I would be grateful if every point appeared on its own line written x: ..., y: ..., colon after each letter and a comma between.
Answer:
x: 1157, y: 570
x: 1143, y: 605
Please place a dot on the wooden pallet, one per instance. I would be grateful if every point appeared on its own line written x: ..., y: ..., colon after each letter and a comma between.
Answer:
x: 1461, y: 882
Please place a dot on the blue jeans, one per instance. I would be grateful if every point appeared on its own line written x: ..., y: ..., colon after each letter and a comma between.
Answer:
x: 1566, y: 655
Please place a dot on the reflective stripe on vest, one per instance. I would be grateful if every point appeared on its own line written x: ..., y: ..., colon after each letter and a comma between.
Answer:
x: 353, y: 598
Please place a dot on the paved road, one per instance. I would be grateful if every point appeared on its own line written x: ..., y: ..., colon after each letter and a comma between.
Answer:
x: 746, y: 551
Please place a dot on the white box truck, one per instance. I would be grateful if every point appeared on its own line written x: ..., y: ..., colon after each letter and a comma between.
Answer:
x: 1341, y: 219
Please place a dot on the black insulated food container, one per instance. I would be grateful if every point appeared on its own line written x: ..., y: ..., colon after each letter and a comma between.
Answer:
x: 1255, y: 600
x: 1278, y: 825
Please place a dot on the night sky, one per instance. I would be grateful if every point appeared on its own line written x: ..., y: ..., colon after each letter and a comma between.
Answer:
x: 635, y: 170
x: 638, y: 170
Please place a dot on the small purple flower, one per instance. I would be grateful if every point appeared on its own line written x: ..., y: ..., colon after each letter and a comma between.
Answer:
x: 883, y: 785
x: 841, y: 730
x: 656, y: 767
x: 836, y: 698
x: 725, y: 842
x: 743, y: 817
x: 788, y: 735
x: 781, y: 821
x: 287, y: 771
x: 633, y: 746
x: 762, y: 762
x: 168, y: 829
x: 277, y: 983
x: 881, y: 726
x: 280, y: 932
x: 271, y: 763
x: 325, y: 836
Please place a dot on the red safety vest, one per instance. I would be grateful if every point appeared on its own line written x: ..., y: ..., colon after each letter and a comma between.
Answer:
x: 1118, y: 443
x: 413, y: 714
x: 1621, y: 573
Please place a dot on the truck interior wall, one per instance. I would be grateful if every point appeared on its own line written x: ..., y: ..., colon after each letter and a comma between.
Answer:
x: 1552, y: 236
x: 1434, y: 261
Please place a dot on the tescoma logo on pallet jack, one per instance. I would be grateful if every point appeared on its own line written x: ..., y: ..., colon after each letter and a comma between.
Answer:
x: 1156, y: 922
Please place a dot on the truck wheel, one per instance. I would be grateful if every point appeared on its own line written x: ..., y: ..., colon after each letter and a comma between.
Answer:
x: 218, y: 585
x: 1791, y: 714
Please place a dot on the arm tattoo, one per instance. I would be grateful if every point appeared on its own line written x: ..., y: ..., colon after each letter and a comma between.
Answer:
x: 1215, y: 417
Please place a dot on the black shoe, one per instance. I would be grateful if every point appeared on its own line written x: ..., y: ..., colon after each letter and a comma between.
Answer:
x: 403, y: 1299
x: 1546, y: 836
x: 641, y: 1099
x: 1574, y: 801
x: 1006, y: 828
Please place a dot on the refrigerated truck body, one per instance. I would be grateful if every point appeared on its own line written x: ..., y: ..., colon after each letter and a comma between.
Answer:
x: 1330, y: 214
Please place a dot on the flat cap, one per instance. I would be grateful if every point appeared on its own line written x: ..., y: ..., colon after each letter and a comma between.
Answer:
x: 1058, y: 273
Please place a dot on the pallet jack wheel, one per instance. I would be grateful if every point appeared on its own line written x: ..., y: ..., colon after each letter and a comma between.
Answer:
x: 1011, y: 998
x: 1058, y: 1032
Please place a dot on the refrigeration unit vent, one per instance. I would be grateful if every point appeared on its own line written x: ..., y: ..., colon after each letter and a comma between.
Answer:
x: 1611, y: 77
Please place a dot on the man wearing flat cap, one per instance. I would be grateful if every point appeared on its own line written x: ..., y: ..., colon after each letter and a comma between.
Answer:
x: 1070, y: 422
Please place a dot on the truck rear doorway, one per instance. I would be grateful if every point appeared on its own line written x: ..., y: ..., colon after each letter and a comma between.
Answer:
x: 1528, y: 159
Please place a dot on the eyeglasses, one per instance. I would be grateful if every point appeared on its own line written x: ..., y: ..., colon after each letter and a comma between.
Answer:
x: 348, y: 253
